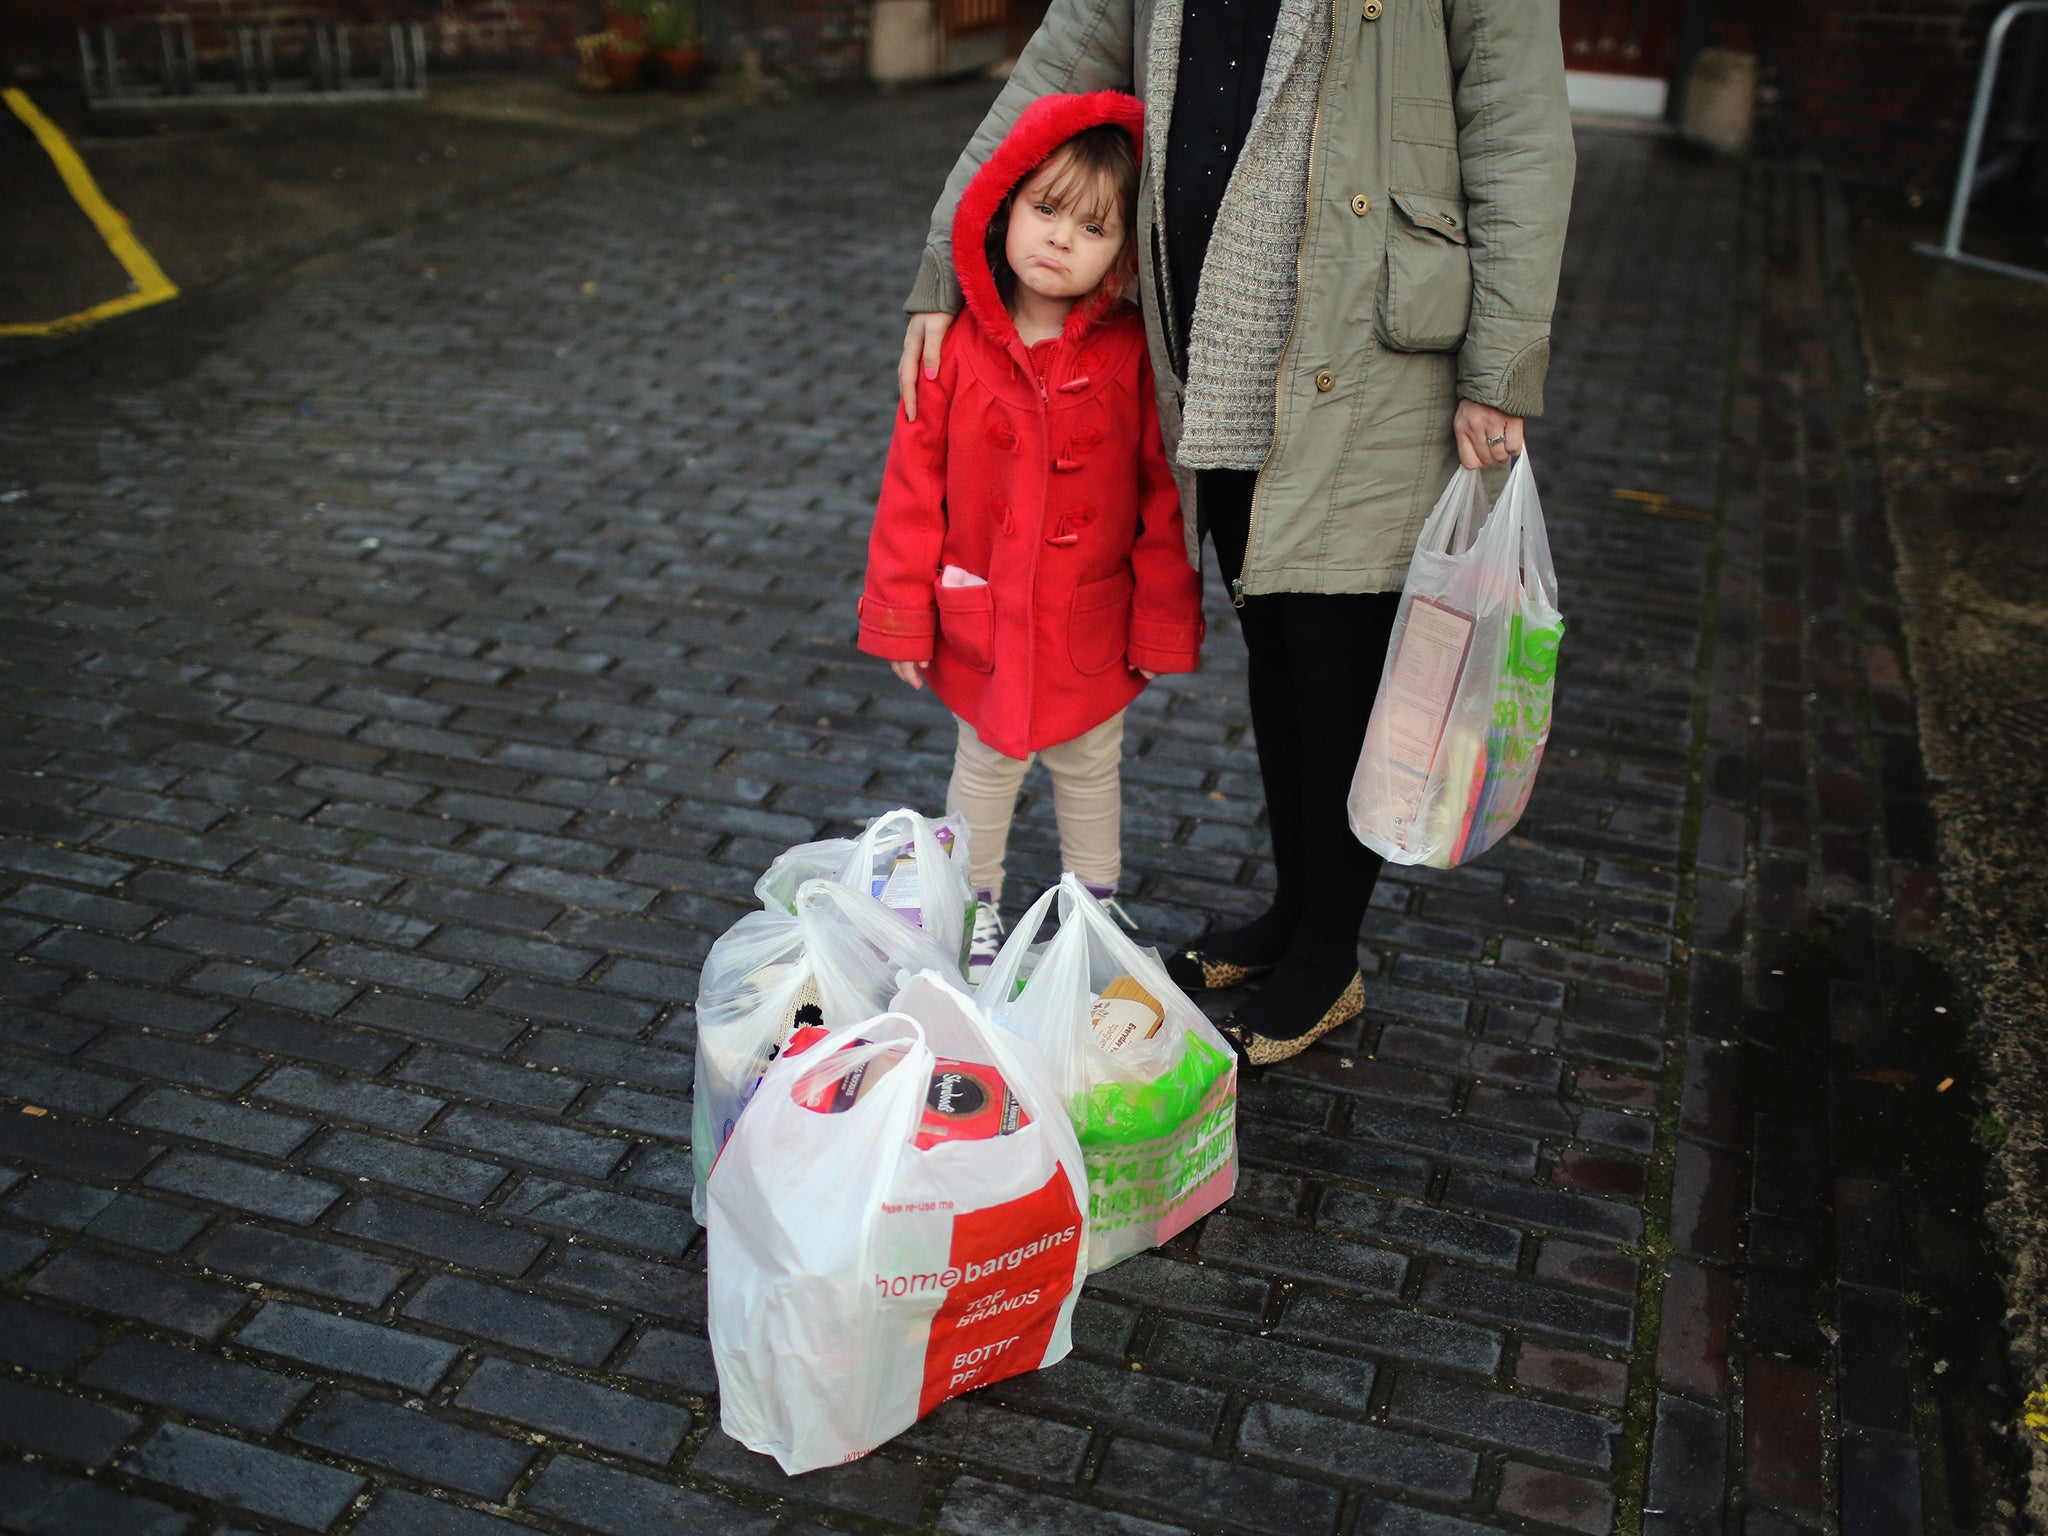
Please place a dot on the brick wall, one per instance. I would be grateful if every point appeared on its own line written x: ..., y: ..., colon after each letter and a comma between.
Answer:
x: 802, y: 39
x: 1871, y: 88
x: 41, y: 41
x: 816, y: 40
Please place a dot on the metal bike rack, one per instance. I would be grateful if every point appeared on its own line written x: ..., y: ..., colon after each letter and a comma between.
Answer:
x: 329, y: 76
x: 1971, y: 179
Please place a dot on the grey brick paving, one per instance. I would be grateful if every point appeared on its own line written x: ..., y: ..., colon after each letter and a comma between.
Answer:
x: 348, y: 1346
x: 204, y: 1386
x: 408, y: 677
x: 244, y: 1477
x: 41, y: 1502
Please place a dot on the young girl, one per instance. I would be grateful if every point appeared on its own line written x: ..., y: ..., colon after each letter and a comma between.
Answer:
x: 1027, y: 557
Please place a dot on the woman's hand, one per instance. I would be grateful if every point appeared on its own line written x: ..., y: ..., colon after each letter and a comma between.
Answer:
x: 910, y: 671
x: 920, y: 348
x: 1485, y: 436
x: 1147, y: 673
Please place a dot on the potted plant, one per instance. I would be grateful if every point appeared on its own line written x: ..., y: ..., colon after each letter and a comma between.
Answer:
x: 627, y: 18
x: 672, y: 34
x: 625, y: 60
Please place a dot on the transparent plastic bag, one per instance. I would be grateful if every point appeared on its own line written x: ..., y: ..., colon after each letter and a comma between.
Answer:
x: 1150, y: 1086
x: 917, y: 867
x: 834, y: 956
x: 806, y: 861
x: 865, y: 1266
x: 1463, y: 710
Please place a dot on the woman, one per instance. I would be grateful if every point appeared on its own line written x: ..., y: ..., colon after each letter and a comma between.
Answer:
x: 1350, y: 226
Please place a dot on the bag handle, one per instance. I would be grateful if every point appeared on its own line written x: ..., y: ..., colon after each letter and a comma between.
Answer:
x: 999, y: 983
x: 1454, y: 522
x: 1520, y: 506
x: 901, y: 824
x: 873, y: 921
x: 1141, y: 963
x: 833, y: 1062
x: 880, y: 945
x: 862, y: 858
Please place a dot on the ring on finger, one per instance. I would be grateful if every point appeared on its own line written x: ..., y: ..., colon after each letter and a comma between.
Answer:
x: 1500, y: 439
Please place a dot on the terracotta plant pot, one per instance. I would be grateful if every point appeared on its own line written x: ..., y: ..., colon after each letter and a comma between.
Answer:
x: 631, y: 25
x: 625, y: 68
x: 680, y: 67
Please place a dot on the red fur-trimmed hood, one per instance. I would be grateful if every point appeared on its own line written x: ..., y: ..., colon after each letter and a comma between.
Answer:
x: 1044, y: 126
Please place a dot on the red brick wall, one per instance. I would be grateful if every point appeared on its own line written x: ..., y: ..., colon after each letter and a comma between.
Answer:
x: 800, y: 39
x: 1876, y: 88
x: 41, y: 41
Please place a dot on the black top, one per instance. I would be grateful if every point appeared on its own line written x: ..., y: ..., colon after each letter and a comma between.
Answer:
x: 1223, y: 47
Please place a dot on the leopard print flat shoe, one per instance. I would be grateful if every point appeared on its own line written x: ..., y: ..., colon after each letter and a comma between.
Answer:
x: 1263, y: 1051
x: 1193, y: 971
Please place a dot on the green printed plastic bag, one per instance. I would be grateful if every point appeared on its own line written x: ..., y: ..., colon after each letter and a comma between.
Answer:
x: 1463, y: 709
x: 1149, y: 1084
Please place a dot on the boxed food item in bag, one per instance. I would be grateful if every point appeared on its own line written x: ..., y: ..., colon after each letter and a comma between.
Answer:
x: 1123, y: 1012
x: 897, y: 1220
x: 1148, y: 1084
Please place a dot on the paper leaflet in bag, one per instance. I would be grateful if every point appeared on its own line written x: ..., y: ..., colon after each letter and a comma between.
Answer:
x: 1463, y: 710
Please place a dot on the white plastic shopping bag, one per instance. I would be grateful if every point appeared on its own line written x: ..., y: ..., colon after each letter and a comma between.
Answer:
x: 917, y: 867
x: 1149, y: 1084
x: 897, y: 1220
x: 793, y: 866
x: 822, y: 951
x: 1463, y: 709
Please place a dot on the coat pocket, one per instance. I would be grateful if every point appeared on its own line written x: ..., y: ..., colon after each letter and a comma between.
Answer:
x: 967, y: 624
x: 1099, y: 625
x: 1426, y: 300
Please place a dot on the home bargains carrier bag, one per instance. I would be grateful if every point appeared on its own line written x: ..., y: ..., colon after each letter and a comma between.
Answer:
x: 823, y: 950
x: 896, y: 1220
x: 1463, y: 710
x: 1149, y: 1084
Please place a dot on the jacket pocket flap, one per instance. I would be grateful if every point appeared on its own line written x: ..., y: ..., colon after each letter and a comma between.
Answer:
x: 1099, y: 622
x: 967, y: 624
x: 1110, y: 592
x: 1439, y: 215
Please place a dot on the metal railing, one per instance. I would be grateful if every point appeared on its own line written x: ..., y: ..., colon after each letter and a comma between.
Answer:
x: 1972, y: 177
x: 326, y: 73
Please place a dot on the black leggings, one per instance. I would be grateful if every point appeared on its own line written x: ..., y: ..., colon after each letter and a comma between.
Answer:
x: 1315, y: 667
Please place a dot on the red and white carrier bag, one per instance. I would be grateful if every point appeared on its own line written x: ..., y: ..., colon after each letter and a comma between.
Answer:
x: 896, y: 1220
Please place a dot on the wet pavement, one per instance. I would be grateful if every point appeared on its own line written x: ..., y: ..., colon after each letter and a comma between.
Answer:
x: 218, y: 193
x: 1957, y: 395
x: 408, y: 677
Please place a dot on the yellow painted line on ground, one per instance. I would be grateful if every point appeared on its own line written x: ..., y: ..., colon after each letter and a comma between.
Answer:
x: 151, y: 286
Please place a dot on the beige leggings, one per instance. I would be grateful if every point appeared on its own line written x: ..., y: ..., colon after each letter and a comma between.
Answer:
x: 1087, y: 799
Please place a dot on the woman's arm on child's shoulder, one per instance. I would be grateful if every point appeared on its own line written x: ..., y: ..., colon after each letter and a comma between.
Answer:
x: 1166, y: 602
x: 898, y: 614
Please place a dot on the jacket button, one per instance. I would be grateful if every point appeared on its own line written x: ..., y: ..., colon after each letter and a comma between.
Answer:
x: 1372, y: 9
x: 1361, y: 205
x: 1326, y: 381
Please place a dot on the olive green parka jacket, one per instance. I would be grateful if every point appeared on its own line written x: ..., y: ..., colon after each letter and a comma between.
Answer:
x: 1439, y: 185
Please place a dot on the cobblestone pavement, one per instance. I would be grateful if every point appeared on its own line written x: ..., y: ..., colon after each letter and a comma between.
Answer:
x: 407, y: 681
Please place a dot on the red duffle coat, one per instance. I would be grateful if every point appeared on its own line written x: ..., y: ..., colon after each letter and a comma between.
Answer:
x: 1049, y: 482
